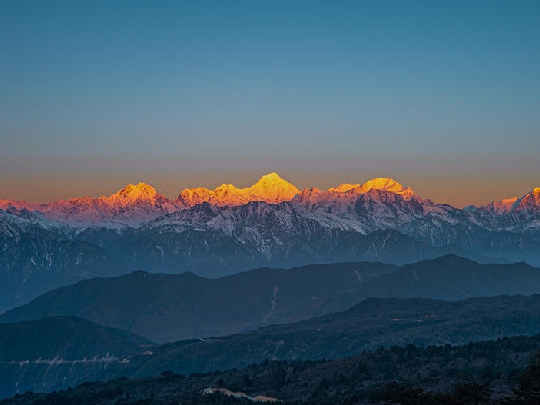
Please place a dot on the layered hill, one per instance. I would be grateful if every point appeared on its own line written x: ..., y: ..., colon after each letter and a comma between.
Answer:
x: 165, y: 307
x: 213, y: 241
x: 38, y: 354
x: 228, y: 230
x: 66, y: 339
x: 370, y: 324
x: 477, y: 373
x: 373, y: 323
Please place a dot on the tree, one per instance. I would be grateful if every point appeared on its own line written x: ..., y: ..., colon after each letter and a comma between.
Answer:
x: 528, y: 389
x: 472, y: 392
x: 395, y: 393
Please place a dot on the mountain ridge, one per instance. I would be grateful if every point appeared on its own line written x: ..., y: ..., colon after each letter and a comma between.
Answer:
x: 375, y: 325
x: 136, y: 204
x: 139, y: 228
x: 168, y: 307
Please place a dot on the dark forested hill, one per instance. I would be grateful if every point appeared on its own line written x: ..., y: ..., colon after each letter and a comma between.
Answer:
x: 68, y: 338
x: 373, y: 323
x: 477, y: 373
x: 165, y: 307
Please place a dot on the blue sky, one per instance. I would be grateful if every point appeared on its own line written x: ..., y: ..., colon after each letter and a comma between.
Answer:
x: 442, y: 96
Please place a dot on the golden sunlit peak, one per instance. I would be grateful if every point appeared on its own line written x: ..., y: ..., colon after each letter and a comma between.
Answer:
x: 226, y: 187
x: 504, y: 205
x: 386, y: 184
x: 272, y: 175
x: 270, y: 188
x: 142, y: 187
x: 510, y: 200
x: 342, y: 188
x: 383, y: 183
x: 136, y: 191
x: 271, y: 178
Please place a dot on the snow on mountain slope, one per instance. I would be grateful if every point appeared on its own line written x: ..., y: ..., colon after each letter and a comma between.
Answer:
x: 350, y: 193
x: 269, y: 188
x: 512, y: 214
x: 530, y: 202
x: 380, y: 203
x: 131, y: 206
x: 501, y: 207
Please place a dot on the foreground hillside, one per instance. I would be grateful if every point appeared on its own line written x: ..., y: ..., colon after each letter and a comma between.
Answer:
x: 373, y: 323
x: 477, y: 373
x: 53, y: 352
x: 67, y: 338
x: 165, y: 307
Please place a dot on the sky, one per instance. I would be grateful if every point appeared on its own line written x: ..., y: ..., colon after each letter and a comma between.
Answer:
x: 442, y: 96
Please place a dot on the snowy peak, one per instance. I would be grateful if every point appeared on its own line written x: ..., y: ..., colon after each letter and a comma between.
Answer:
x: 349, y: 193
x: 131, y: 194
x: 270, y: 188
x: 529, y: 202
x: 131, y: 206
x: 385, y: 184
x: 137, y: 190
x: 503, y: 206
x: 343, y: 187
x: 194, y: 196
x: 350, y: 205
x: 6, y: 204
x: 273, y: 189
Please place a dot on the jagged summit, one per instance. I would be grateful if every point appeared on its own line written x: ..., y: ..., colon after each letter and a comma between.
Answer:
x: 383, y: 184
x: 273, y: 187
x: 343, y: 187
x: 270, y: 188
x: 270, y: 177
x: 348, y: 193
x: 503, y: 206
x: 271, y: 180
x: 140, y: 191
x: 136, y: 204
x: 528, y: 202
x: 379, y: 183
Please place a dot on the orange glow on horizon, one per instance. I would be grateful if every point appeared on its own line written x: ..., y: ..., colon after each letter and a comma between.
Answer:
x: 272, y: 189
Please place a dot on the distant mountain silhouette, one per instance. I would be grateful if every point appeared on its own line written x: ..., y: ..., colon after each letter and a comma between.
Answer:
x: 165, y: 307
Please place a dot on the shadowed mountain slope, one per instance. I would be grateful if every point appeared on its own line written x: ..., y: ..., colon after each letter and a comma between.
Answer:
x: 369, y: 325
x: 166, y: 307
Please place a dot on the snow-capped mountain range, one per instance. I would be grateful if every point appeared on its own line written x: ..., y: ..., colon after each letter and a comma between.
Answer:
x: 380, y: 203
x: 226, y: 230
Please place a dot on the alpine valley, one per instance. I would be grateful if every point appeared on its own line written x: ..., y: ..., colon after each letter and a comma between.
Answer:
x: 214, y: 233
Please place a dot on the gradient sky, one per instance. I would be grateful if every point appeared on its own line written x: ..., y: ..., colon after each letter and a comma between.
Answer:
x: 442, y: 96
